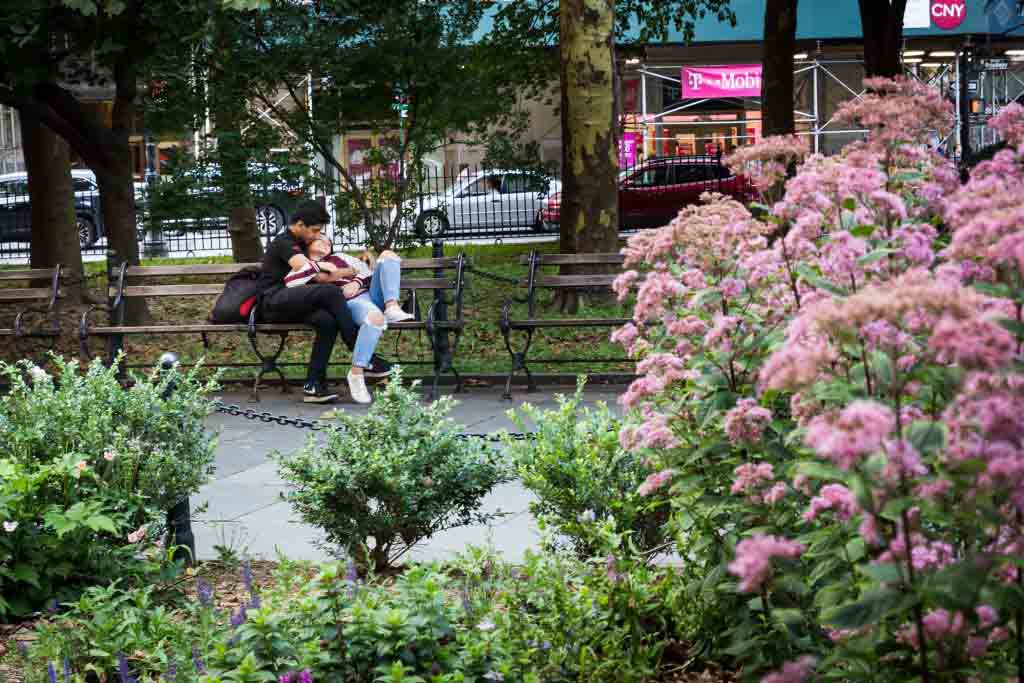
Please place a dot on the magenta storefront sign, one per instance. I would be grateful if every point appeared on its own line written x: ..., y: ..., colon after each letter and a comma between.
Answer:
x: 737, y: 80
x: 627, y: 149
x: 948, y: 14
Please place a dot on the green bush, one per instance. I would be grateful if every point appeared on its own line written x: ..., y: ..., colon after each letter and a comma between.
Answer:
x: 583, y: 477
x: 87, y: 464
x: 398, y: 475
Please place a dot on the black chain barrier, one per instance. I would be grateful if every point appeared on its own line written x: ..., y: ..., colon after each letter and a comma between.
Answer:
x: 317, y: 425
x: 491, y: 276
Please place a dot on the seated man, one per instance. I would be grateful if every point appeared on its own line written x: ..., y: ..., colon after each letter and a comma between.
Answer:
x: 371, y: 290
x: 321, y: 306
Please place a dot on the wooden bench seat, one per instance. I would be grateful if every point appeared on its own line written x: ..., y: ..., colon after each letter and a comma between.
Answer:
x: 534, y: 282
x: 445, y: 277
x: 20, y: 290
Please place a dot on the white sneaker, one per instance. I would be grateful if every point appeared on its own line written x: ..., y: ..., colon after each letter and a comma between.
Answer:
x: 397, y: 315
x: 357, y: 387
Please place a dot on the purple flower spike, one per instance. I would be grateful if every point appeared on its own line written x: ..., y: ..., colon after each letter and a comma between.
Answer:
x: 247, y: 575
x: 172, y: 671
x: 204, y: 591
x: 305, y: 676
x: 67, y: 670
x: 255, y: 603
x: 351, y: 574
x: 123, y: 671
x: 238, y: 618
x: 197, y: 661
x: 52, y: 672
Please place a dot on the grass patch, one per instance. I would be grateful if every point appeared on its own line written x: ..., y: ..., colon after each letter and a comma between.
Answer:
x: 481, y: 349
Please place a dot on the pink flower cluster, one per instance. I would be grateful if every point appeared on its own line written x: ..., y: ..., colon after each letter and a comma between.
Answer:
x: 898, y: 112
x: 757, y: 482
x: 792, y: 672
x: 858, y: 430
x: 835, y: 497
x: 655, y: 481
x: 754, y: 556
x: 745, y: 423
x: 766, y: 162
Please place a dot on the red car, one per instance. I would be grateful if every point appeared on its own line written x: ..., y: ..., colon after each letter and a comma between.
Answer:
x: 652, y: 192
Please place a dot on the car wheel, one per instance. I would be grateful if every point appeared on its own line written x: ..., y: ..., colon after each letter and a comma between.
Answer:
x: 86, y: 231
x: 432, y: 224
x: 269, y: 220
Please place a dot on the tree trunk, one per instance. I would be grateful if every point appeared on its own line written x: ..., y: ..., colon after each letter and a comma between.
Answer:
x: 779, y: 46
x: 882, y: 28
x: 54, y: 235
x: 228, y: 112
x: 589, y: 208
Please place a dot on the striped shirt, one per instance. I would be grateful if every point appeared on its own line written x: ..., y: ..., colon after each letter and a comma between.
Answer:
x: 308, y: 273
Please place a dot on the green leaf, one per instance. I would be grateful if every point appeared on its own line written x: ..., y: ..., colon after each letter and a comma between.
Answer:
x: 101, y: 523
x: 1015, y: 327
x: 876, y: 255
x: 856, y: 549
x: 882, y: 572
x: 926, y: 436
x: 815, y: 280
x: 849, y: 204
x: 863, y: 230
x: 868, y: 610
x: 818, y: 470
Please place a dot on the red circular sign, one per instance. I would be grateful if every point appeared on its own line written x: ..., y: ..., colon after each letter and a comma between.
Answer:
x: 948, y: 14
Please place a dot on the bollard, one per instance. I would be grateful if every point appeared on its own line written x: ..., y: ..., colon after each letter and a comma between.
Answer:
x: 441, y: 347
x: 179, y: 517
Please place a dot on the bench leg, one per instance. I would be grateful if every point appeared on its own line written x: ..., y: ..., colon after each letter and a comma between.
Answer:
x: 269, y: 364
x: 518, y: 362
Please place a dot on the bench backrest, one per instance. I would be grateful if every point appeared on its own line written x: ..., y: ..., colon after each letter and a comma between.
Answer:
x: 23, y: 281
x: 142, y: 281
x: 536, y: 260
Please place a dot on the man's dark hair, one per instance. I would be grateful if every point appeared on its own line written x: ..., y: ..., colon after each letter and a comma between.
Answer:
x: 310, y: 213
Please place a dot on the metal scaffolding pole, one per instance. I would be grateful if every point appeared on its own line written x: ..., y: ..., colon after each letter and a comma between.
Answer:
x: 817, y: 118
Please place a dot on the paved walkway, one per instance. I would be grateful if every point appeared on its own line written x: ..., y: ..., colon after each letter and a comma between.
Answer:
x: 245, y: 512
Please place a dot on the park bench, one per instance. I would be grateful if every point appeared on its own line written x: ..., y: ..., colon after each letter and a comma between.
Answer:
x: 445, y: 276
x: 23, y: 293
x: 534, y: 283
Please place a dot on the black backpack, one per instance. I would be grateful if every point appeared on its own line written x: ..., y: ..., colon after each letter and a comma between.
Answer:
x: 241, y: 293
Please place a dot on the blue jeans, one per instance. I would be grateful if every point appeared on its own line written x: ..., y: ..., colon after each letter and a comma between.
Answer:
x: 385, y: 286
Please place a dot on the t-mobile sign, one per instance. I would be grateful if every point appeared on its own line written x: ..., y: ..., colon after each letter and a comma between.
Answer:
x: 739, y: 80
x: 948, y: 14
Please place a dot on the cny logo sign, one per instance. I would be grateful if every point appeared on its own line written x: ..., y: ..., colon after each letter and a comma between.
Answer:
x: 948, y: 14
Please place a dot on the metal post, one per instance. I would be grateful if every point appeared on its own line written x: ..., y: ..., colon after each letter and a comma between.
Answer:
x: 154, y: 246
x: 817, y: 114
x: 441, y: 348
x: 643, y: 103
x: 964, y: 107
x: 179, y: 517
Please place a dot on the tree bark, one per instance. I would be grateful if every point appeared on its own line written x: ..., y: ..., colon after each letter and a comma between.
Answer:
x: 589, y: 208
x: 228, y: 113
x: 882, y: 28
x: 777, y: 87
x: 54, y: 238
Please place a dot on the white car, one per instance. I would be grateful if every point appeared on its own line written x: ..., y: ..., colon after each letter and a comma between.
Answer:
x: 482, y: 200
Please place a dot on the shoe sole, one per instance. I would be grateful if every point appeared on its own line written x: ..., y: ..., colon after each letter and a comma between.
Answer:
x: 330, y: 398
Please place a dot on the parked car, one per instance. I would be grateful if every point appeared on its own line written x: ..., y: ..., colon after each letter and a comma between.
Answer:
x: 16, y: 209
x: 652, y: 192
x: 483, y: 199
x: 192, y: 199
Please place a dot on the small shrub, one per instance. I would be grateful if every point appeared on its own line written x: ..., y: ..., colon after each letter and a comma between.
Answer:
x: 86, y: 466
x: 582, y: 476
x: 398, y: 475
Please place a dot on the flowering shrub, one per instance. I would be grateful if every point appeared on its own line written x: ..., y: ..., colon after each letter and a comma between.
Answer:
x: 838, y: 410
x: 582, y: 476
x: 398, y: 475
x: 87, y: 466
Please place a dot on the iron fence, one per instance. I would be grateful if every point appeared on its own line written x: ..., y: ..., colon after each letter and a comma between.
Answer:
x: 411, y: 207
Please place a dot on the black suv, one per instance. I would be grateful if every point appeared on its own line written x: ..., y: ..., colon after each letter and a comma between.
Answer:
x: 16, y: 211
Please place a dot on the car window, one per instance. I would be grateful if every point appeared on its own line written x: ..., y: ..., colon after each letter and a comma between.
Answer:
x: 693, y: 173
x: 653, y: 176
x: 485, y: 185
x: 524, y: 182
x: 14, y: 187
x: 82, y: 185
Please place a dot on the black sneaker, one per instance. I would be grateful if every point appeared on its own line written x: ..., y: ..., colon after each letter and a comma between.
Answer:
x: 315, y: 392
x: 378, y: 367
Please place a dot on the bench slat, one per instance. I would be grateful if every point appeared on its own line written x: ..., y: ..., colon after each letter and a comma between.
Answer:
x: 194, y: 269
x: 28, y: 274
x: 576, y: 259
x: 231, y: 268
x: 560, y: 281
x: 215, y: 288
x: 241, y: 327
x: 26, y: 294
x: 569, y: 322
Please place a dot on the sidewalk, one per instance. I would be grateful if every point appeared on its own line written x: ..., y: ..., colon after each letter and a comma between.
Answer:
x: 246, y: 514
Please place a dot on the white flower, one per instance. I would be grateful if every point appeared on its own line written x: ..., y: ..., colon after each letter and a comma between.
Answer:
x: 137, y: 535
x: 486, y: 625
x: 37, y: 373
x: 494, y: 676
x: 587, y: 516
x: 9, y: 527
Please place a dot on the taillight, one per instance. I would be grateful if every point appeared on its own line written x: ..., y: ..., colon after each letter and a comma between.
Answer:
x: 297, y: 192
